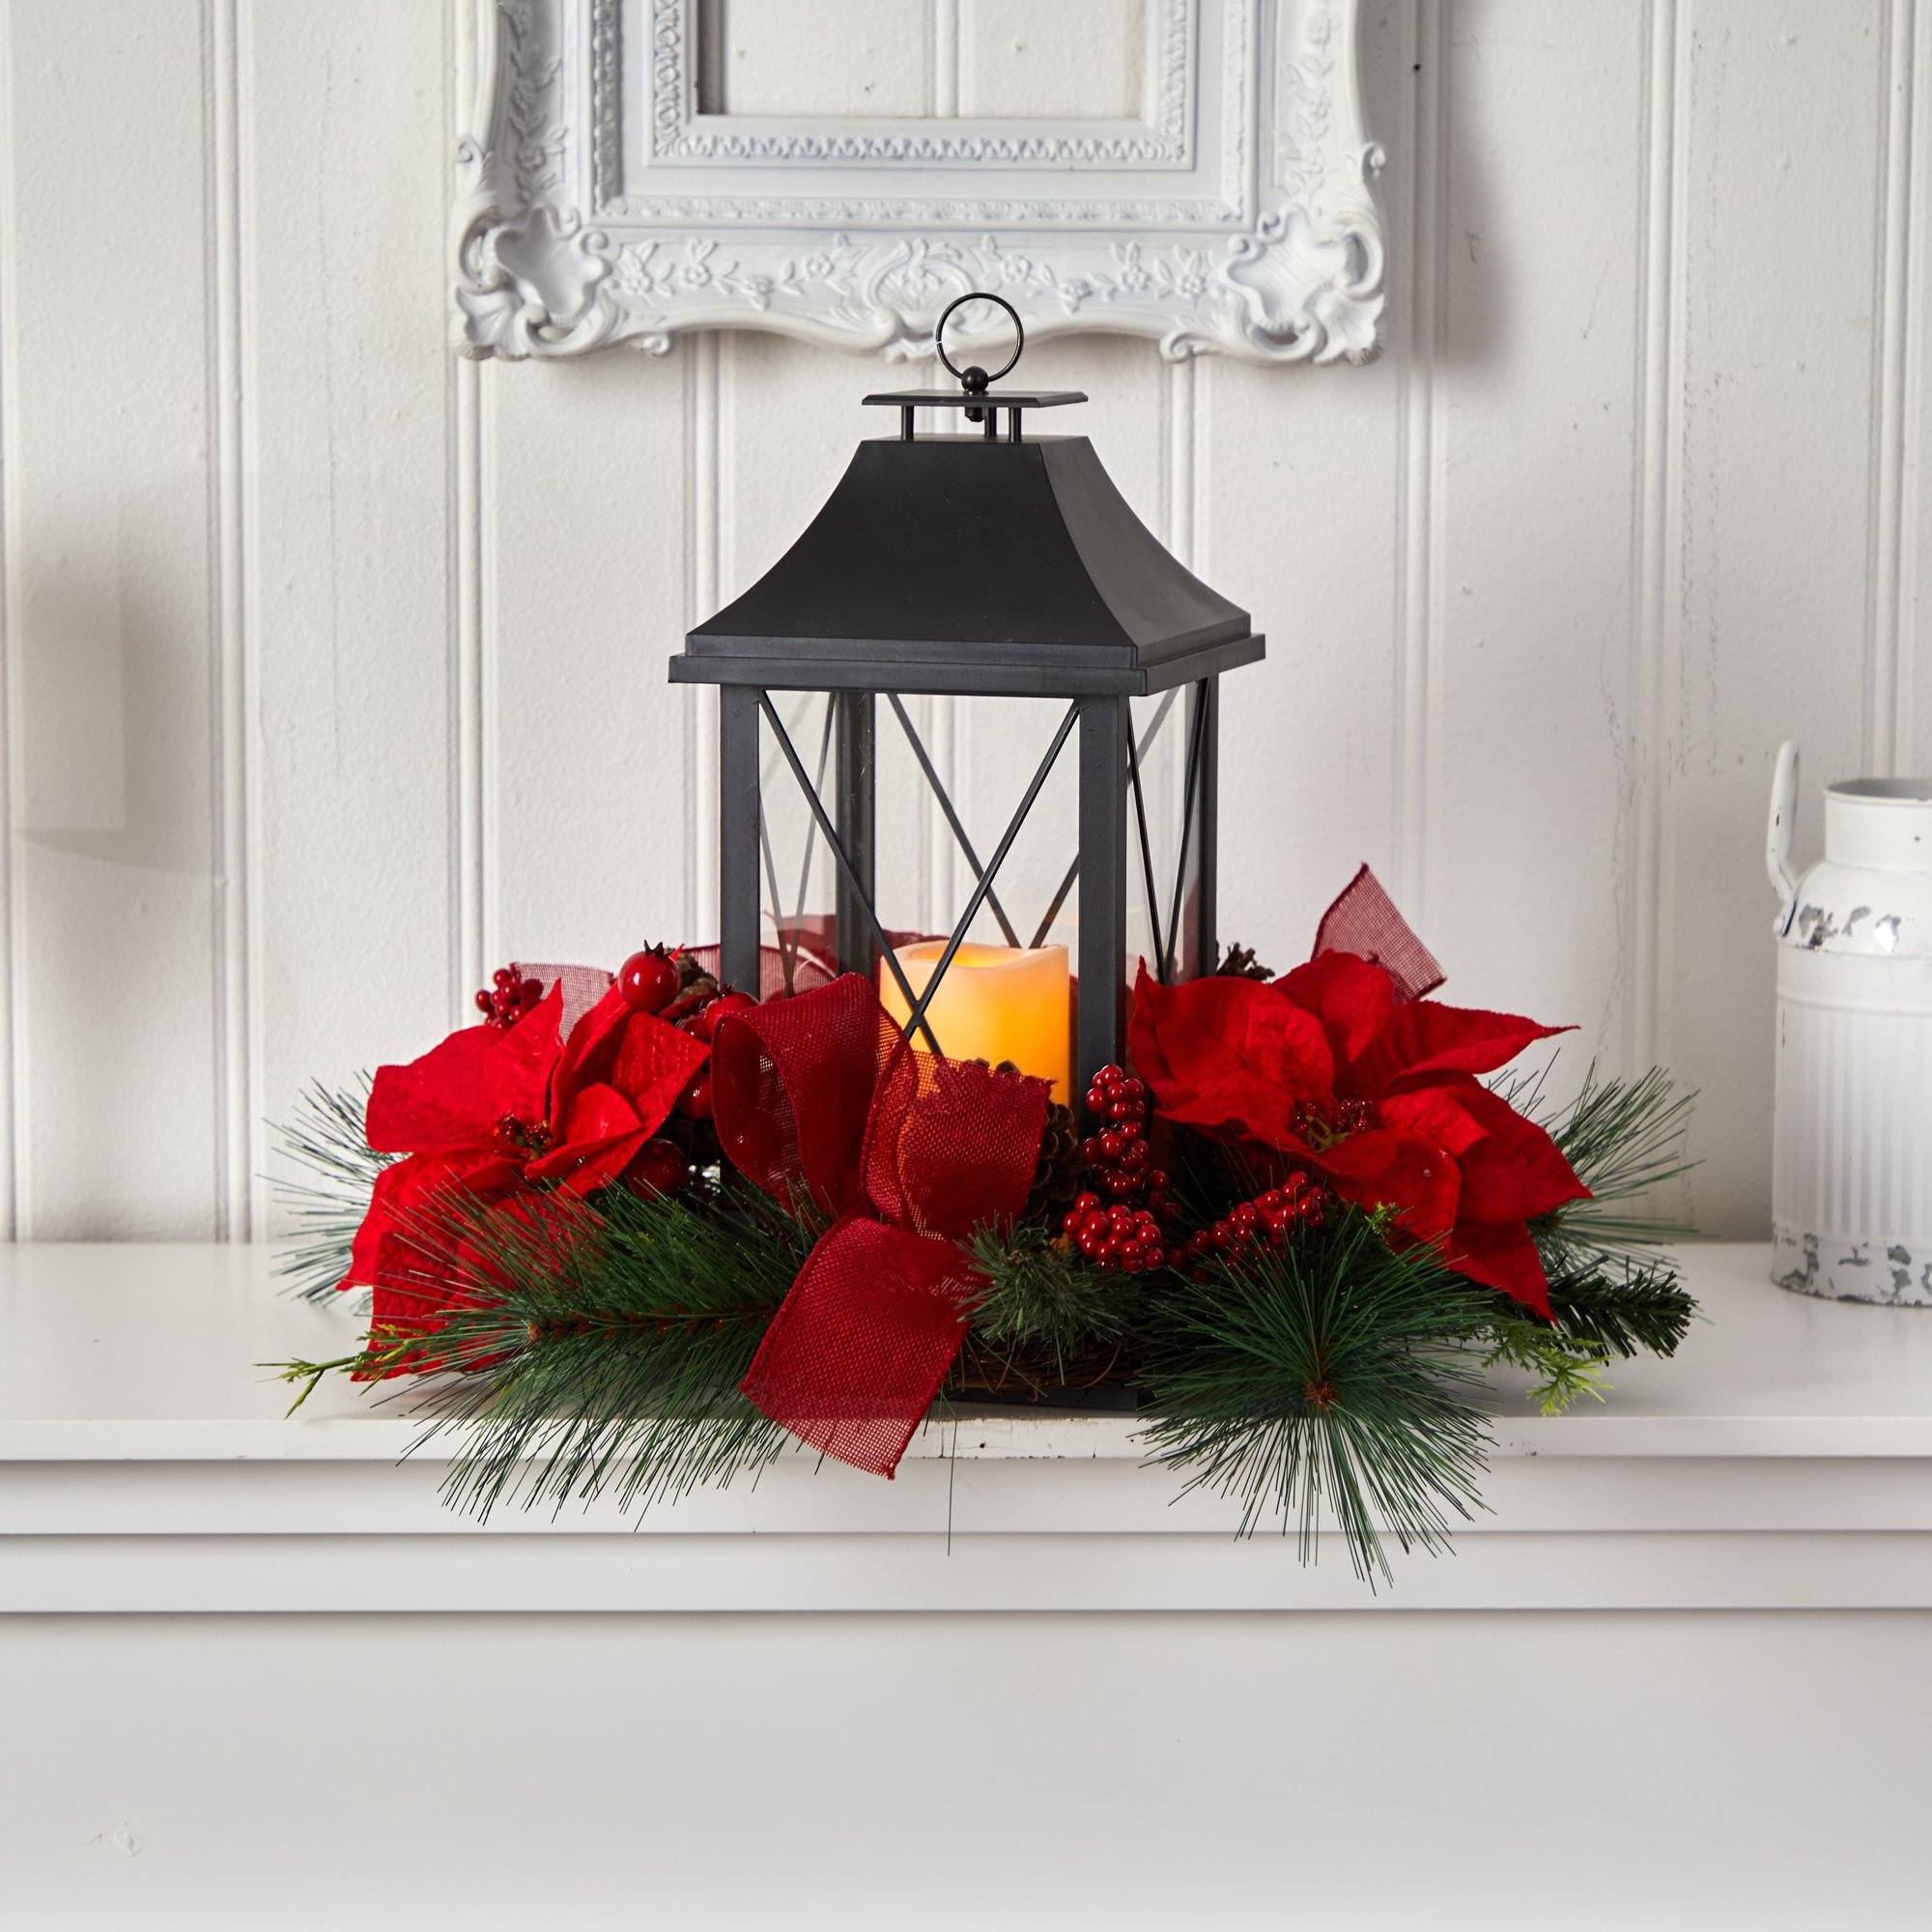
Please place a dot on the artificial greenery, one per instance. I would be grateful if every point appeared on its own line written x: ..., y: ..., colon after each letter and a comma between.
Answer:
x: 602, y: 1350
x: 1625, y: 1138
x: 326, y: 1145
x: 1333, y: 1375
x: 1336, y: 1378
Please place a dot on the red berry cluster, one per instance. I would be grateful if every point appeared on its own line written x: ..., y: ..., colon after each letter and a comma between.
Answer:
x: 508, y: 997
x: 520, y: 1140
x: 1117, y: 1155
x: 1115, y: 1237
x: 1323, y: 1124
x: 1270, y: 1217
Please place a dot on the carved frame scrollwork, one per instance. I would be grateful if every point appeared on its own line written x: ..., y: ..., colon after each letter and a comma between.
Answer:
x: 595, y: 205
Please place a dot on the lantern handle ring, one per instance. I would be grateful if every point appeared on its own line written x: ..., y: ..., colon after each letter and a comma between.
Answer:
x: 973, y: 379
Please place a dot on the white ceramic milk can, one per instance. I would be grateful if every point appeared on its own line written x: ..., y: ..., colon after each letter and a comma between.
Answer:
x: 1851, y: 1179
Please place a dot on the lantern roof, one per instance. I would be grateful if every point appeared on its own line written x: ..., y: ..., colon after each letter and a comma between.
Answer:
x: 973, y: 564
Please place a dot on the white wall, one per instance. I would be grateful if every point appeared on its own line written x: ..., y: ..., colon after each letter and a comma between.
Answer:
x: 335, y: 667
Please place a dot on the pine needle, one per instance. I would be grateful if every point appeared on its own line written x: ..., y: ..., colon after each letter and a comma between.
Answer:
x: 606, y: 1348
x: 1332, y: 1378
x: 325, y: 1140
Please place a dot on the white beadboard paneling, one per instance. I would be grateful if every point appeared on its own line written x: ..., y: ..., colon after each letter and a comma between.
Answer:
x: 1298, y: 506
x: 1530, y: 720
x: 9, y: 550
x: 112, y: 618
x: 347, y: 517
x: 1913, y: 725
x: 586, y: 737
x: 1768, y: 621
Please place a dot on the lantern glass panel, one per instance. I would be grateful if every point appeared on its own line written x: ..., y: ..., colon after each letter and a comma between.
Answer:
x: 945, y: 849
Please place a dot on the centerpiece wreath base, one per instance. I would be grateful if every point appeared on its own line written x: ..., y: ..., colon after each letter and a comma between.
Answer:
x: 635, y: 1233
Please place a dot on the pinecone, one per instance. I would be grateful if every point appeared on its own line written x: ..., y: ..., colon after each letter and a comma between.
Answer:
x: 1241, y: 964
x: 1057, y: 1177
x: 695, y: 989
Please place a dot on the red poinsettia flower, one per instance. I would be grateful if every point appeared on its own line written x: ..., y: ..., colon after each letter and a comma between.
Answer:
x: 1328, y: 1065
x: 615, y: 1084
x: 494, y: 1110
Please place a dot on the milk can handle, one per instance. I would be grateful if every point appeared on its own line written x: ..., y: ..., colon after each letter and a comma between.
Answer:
x: 1777, y: 830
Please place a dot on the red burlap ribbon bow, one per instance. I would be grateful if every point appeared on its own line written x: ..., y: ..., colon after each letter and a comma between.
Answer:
x: 819, y: 1102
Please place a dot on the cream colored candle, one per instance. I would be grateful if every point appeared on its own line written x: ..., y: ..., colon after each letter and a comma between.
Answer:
x: 995, y: 1003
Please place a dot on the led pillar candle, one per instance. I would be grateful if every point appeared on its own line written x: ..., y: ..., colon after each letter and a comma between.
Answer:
x: 995, y: 1003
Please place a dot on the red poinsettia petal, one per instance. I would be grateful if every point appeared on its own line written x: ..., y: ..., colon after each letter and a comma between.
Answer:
x: 1406, y: 1172
x: 410, y: 1249
x: 1424, y: 1041
x: 1228, y: 1054
x: 654, y: 1065
x: 1435, y: 1112
x: 588, y: 1051
x: 585, y: 1166
x: 1352, y: 998
x: 1501, y: 1255
x: 594, y: 1114
x: 454, y: 1095
x: 1515, y: 1172
x: 533, y: 1224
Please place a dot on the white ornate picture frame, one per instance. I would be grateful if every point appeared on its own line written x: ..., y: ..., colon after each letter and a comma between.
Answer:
x: 597, y: 205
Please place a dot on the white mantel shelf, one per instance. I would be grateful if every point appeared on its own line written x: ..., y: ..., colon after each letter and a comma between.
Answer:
x: 1783, y: 1460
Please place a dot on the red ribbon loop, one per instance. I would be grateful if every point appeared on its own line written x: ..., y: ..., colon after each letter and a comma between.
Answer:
x: 817, y: 1099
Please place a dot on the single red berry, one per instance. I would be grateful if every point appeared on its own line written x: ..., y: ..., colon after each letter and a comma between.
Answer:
x: 695, y: 1100
x: 485, y: 1005
x: 648, y: 980
x: 657, y: 1168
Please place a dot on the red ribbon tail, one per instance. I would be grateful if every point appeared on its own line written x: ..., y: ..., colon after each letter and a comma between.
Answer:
x: 1365, y: 921
x: 859, y: 1347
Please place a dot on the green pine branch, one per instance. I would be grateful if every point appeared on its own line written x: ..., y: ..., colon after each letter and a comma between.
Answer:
x: 1625, y: 1309
x: 1332, y: 1379
x: 324, y: 1141
x: 1625, y: 1138
x: 1045, y: 1308
x: 602, y: 1349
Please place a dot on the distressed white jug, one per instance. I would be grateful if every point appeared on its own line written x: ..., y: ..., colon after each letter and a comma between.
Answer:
x: 1851, y: 1183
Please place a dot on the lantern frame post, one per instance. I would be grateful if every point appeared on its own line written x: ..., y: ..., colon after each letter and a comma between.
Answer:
x: 855, y: 810
x: 1199, y: 950
x: 1105, y: 723
x: 738, y: 823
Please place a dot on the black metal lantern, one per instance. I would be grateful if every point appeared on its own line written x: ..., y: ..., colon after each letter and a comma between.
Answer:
x: 990, y: 564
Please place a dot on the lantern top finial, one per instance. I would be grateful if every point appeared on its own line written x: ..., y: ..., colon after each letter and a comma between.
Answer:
x: 977, y: 396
